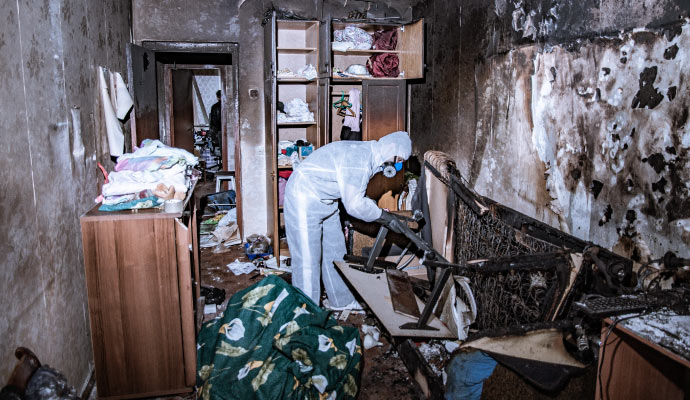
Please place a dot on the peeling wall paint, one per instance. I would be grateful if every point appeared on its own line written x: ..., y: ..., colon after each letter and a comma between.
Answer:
x: 48, y: 156
x: 573, y: 122
x: 608, y: 137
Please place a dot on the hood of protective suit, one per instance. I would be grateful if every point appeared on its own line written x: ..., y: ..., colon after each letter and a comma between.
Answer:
x: 391, y: 145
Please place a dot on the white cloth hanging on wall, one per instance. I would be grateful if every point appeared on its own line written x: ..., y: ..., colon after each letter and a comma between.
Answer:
x: 116, y: 140
x: 123, y: 101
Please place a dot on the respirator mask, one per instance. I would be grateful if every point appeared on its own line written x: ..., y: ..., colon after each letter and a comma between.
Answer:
x: 390, y: 168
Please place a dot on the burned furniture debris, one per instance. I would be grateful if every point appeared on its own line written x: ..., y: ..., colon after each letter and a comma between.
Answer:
x: 523, y: 275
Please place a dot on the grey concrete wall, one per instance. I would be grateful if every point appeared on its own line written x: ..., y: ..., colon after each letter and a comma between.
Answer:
x: 239, y: 21
x: 572, y: 112
x: 48, y: 152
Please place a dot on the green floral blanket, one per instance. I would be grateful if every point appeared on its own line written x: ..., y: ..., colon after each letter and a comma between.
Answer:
x: 273, y: 342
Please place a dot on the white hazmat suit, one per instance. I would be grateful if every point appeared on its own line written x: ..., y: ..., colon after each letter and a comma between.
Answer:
x: 338, y: 170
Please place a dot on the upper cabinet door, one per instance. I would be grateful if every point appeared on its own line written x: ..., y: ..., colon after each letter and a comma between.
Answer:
x: 325, y: 48
x: 141, y: 69
x: 411, y: 47
x: 271, y: 136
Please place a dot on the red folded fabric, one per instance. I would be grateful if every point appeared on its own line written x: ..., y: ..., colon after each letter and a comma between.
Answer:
x: 383, y: 65
x: 285, y: 173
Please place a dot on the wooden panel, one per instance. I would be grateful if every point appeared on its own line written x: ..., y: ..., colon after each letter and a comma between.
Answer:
x: 141, y: 65
x: 411, y: 46
x: 384, y: 105
x: 134, y: 306
x: 196, y: 267
x: 633, y: 368
x: 105, y: 311
x: 312, y: 98
x: 182, y: 110
x: 271, y: 135
x: 311, y: 40
x: 184, y: 274
x: 324, y: 105
x: 324, y: 68
x: 373, y: 288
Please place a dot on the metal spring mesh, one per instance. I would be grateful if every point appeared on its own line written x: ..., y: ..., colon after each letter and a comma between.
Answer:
x: 510, y: 297
x: 488, y: 237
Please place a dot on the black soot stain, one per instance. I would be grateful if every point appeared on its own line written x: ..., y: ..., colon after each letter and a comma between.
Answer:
x: 670, y: 53
x: 656, y: 161
x: 670, y: 150
x: 671, y: 93
x: 596, y: 188
x: 673, y: 31
x: 659, y: 186
x: 680, y: 119
x: 631, y: 216
x: 648, y: 95
x: 678, y: 206
x: 607, y: 215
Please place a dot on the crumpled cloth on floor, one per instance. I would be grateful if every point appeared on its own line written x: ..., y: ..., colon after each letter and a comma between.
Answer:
x: 275, y: 343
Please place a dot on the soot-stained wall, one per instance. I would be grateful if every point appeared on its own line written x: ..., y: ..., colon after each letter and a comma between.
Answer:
x: 572, y: 112
x: 48, y: 152
x: 239, y: 21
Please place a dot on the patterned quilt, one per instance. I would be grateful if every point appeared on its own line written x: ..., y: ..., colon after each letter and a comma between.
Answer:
x: 273, y: 342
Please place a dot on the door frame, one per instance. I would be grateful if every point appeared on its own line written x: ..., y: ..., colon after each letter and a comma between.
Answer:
x: 230, y: 110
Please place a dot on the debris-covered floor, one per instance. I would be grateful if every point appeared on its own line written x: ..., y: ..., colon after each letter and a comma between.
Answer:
x: 384, y: 374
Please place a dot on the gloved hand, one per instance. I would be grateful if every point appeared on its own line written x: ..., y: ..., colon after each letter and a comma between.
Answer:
x: 391, y: 222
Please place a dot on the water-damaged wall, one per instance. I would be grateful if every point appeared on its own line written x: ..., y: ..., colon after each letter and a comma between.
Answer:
x: 572, y: 112
x: 48, y: 153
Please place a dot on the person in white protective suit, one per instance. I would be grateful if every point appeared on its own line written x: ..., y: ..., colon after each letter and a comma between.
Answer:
x: 338, y: 170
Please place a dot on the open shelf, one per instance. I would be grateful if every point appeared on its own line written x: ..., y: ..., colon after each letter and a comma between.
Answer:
x: 356, y: 51
x: 360, y: 79
x: 305, y: 123
x: 296, y: 80
x: 296, y: 49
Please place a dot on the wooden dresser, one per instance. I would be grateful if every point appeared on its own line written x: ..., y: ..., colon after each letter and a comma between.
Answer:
x: 140, y: 272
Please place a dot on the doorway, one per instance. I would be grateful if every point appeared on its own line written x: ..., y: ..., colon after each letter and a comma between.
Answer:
x: 167, y: 78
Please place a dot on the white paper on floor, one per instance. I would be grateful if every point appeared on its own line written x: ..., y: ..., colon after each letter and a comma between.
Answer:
x: 271, y: 263
x: 206, y: 241
x: 238, y: 267
x: 231, y: 216
x: 371, y: 338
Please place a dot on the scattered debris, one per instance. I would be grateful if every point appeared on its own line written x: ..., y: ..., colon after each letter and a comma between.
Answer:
x: 239, y: 267
x: 665, y: 328
x: 371, y: 338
